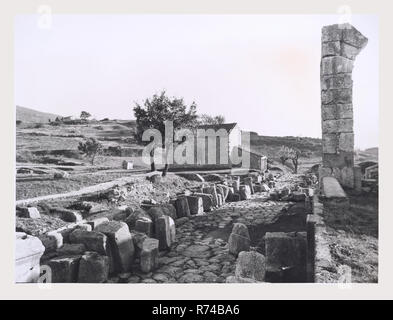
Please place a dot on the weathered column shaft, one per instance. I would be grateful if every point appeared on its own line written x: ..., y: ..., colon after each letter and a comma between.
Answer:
x: 340, y: 46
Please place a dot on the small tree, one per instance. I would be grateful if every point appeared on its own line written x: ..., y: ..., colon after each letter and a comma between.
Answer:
x: 156, y: 111
x: 207, y: 119
x: 283, y: 154
x: 85, y: 115
x: 294, y: 156
x: 90, y: 148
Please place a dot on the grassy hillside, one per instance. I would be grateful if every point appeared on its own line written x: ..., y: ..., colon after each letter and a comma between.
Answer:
x: 270, y: 145
x: 27, y: 115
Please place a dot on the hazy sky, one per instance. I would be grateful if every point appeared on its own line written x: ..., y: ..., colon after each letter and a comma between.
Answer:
x: 261, y: 71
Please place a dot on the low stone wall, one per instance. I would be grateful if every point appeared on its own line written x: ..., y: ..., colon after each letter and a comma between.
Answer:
x: 320, y: 265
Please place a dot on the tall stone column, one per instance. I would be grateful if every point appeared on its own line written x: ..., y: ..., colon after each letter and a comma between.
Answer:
x: 341, y: 43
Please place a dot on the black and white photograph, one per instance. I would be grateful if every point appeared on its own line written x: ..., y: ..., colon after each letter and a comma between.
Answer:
x: 157, y: 149
x: 195, y: 159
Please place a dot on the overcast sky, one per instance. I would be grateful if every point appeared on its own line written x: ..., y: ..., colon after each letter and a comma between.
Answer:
x: 261, y: 71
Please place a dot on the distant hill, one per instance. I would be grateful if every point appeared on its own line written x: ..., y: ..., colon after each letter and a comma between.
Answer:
x: 373, y: 151
x: 33, y: 116
x: 270, y: 145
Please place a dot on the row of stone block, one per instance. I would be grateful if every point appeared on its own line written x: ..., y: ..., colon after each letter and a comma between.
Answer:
x: 336, y: 142
x: 336, y: 96
x: 110, y: 248
x: 337, y: 112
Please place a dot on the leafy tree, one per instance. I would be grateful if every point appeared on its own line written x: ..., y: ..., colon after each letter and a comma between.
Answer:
x: 158, y: 109
x: 90, y: 148
x: 85, y: 115
x: 292, y: 154
x: 283, y: 154
x: 207, y: 119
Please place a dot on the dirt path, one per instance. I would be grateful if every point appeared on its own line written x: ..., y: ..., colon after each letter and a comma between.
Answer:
x: 91, y: 189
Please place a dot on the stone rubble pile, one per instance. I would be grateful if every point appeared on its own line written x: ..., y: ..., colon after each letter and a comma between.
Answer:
x: 131, y: 241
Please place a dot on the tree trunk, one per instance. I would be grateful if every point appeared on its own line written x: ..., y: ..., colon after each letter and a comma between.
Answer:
x: 295, y: 164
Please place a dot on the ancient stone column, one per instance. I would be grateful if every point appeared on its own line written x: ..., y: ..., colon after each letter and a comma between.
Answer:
x: 341, y: 43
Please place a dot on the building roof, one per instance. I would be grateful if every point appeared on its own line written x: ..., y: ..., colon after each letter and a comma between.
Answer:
x: 227, y: 126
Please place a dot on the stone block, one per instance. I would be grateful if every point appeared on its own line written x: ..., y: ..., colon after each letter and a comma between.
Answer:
x: 336, y: 96
x: 340, y: 160
x: 96, y: 222
x: 349, y: 51
x: 68, y: 215
x: 234, y: 197
x: 182, y: 208
x: 195, y: 203
x: 71, y: 249
x: 344, y: 111
x: 164, y: 232
x: 236, y: 185
x: 57, y: 236
x: 169, y: 210
x: 220, y: 202
x: 225, y: 190
x: 337, y: 126
x: 250, y: 265
x: 239, y: 239
x: 29, y: 212
x: 248, y: 182
x: 127, y: 165
x: 245, y: 192
x: 145, y: 226
x: 64, y: 269
x: 328, y: 112
x: 120, y: 242
x: 336, y: 64
x: 353, y: 37
x: 93, y: 268
x: 331, y: 33
x: 346, y: 142
x: 331, y: 188
x: 207, y: 200
x: 347, y: 178
x: 329, y: 143
x: 220, y: 191
x: 331, y: 48
x: 134, y: 216
x: 286, y: 251
x: 149, y: 255
x: 51, y: 241
x: 212, y: 190
x: 92, y: 240
x: 336, y: 81
x: 28, y: 252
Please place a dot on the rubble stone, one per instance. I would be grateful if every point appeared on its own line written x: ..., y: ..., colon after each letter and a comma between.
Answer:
x: 120, y: 242
x: 93, y: 268
x: 64, y: 269
x: 149, y: 255
x: 251, y: 265
x: 239, y: 239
